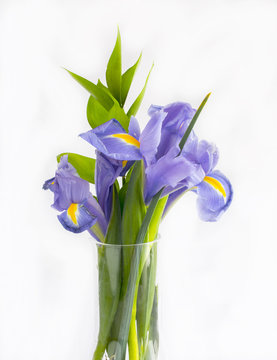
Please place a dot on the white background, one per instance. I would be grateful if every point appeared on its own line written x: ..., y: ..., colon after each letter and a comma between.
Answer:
x: 221, y: 276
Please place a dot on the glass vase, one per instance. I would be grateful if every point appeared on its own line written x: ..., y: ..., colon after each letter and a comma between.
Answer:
x: 126, y: 325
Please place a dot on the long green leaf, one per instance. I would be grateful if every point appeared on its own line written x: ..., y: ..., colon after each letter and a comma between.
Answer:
x: 85, y: 166
x: 147, y: 283
x: 96, y: 113
x: 113, y: 72
x: 116, y: 111
x: 153, y: 339
x: 133, y: 213
x: 126, y: 81
x: 136, y: 104
x: 94, y: 90
x: 192, y: 123
x: 109, y: 268
x: 133, y: 283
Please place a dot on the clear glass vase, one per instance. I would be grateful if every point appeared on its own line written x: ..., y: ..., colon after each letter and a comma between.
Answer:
x: 126, y: 320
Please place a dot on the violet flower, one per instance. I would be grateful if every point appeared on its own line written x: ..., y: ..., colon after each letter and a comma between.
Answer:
x: 79, y: 210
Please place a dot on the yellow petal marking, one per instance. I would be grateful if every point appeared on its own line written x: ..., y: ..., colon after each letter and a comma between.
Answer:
x: 128, y: 139
x: 71, y: 211
x: 216, y: 184
x: 124, y: 163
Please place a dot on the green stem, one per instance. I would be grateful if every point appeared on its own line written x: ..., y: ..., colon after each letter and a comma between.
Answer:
x: 99, y: 351
x: 133, y: 338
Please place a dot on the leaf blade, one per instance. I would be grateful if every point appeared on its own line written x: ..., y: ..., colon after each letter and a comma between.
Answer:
x: 192, y: 123
x: 113, y: 72
x: 94, y: 90
x: 127, y: 79
x: 85, y: 166
x: 96, y: 113
x: 136, y: 104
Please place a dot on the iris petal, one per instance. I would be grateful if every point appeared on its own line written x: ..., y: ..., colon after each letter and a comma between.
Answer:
x: 105, y: 175
x: 77, y: 218
x: 113, y: 141
x: 171, y: 171
x: 214, y: 196
x: 134, y: 128
x: 151, y: 136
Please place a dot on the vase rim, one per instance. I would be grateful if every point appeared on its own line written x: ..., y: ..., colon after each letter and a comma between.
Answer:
x: 158, y: 237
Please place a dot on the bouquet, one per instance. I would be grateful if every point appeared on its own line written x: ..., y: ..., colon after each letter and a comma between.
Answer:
x: 138, y: 176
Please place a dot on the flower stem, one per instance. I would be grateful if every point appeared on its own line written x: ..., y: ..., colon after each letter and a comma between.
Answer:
x: 133, y: 339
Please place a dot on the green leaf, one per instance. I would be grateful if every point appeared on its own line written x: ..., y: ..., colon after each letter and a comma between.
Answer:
x: 94, y: 90
x: 116, y: 111
x: 133, y: 280
x: 133, y: 213
x: 136, y: 104
x: 113, y: 72
x: 126, y: 81
x: 192, y: 123
x: 85, y: 166
x: 109, y: 268
x: 96, y: 113
x: 147, y: 284
x: 153, y: 341
x: 145, y: 299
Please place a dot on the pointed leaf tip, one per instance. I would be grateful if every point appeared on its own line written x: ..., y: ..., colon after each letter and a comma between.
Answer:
x: 113, y: 72
x: 193, y: 121
x: 136, y: 104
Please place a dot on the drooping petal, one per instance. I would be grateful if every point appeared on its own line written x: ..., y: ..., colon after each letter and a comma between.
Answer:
x: 150, y: 137
x: 112, y: 140
x: 69, y: 189
x: 214, y: 196
x: 105, y: 175
x: 66, y: 166
x: 174, y: 126
x: 76, y: 218
x: 96, y: 211
x: 169, y: 171
x: 153, y: 108
x: 134, y: 128
x: 49, y: 184
x: 202, y: 152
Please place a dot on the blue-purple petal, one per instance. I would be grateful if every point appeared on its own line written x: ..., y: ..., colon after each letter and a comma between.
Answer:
x: 106, y: 173
x: 96, y: 211
x: 134, y: 128
x: 169, y: 172
x: 84, y: 220
x: 211, y: 202
x: 69, y: 189
x: 174, y: 126
x: 150, y: 137
x: 107, y: 139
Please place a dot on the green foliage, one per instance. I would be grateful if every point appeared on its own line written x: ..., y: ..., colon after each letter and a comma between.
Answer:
x: 192, y: 123
x: 146, y: 290
x: 94, y: 90
x: 85, y: 166
x: 127, y: 79
x: 133, y: 213
x: 113, y: 72
x: 96, y: 113
x: 134, y: 279
x: 136, y: 104
x: 109, y: 268
x: 107, y: 102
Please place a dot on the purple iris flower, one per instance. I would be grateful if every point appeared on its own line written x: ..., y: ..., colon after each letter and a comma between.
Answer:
x: 215, y: 190
x: 165, y: 167
x: 106, y: 172
x: 80, y: 211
